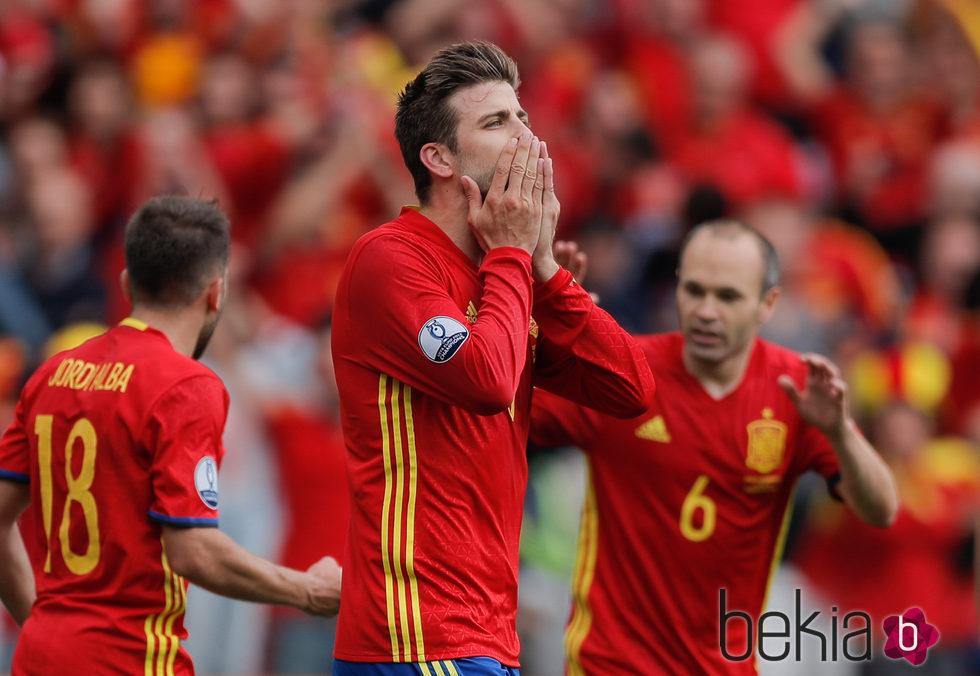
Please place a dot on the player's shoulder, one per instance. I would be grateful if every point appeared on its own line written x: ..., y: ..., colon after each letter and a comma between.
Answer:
x: 662, y: 350
x: 775, y: 357
x: 147, y: 354
x: 393, y: 240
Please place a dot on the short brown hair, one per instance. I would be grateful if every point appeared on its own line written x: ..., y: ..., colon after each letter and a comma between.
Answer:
x: 173, y: 247
x: 423, y: 114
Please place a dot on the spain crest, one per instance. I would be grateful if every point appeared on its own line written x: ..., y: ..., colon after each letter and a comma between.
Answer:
x: 767, y: 443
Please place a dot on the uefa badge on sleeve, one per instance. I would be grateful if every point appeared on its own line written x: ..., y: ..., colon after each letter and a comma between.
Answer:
x: 441, y: 337
x: 206, y: 481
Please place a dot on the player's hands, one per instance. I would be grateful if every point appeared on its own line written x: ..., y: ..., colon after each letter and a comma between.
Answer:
x: 511, y: 213
x: 323, y: 590
x: 568, y: 255
x: 543, y: 258
x: 823, y: 400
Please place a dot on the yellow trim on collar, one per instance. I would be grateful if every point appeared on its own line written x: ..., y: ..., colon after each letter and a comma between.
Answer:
x: 134, y: 323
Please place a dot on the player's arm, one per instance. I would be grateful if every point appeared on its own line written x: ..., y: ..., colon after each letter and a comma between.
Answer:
x: 585, y: 355
x: 866, y: 483
x: 404, y: 323
x: 17, y: 589
x: 183, y: 434
x: 556, y: 421
x: 212, y: 560
x: 16, y: 577
x: 412, y: 329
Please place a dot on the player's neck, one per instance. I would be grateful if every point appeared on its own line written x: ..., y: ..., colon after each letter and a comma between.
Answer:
x: 718, y: 378
x: 450, y: 212
x: 181, y: 327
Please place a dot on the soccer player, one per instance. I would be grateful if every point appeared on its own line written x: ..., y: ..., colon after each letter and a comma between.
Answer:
x: 435, y: 351
x: 690, y: 498
x: 115, y: 449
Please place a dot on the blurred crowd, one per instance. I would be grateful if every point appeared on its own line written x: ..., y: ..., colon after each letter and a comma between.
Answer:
x: 848, y: 131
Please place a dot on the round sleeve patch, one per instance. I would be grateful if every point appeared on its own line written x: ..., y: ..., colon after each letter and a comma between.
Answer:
x: 441, y: 337
x: 206, y: 481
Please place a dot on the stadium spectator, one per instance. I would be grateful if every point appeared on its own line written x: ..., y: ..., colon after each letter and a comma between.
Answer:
x: 727, y: 144
x: 878, y: 131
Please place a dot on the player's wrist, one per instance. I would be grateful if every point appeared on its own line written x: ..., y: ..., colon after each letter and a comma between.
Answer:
x: 837, y: 433
x: 544, y: 268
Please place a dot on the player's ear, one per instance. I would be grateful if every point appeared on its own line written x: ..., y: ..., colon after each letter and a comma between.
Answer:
x: 768, y: 303
x: 215, y: 293
x: 124, y: 283
x: 437, y: 159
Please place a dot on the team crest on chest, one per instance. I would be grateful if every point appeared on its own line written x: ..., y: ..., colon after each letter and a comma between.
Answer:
x: 767, y: 443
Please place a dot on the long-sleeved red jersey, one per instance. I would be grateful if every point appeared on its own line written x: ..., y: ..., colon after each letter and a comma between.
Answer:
x: 435, y: 359
x: 684, y: 500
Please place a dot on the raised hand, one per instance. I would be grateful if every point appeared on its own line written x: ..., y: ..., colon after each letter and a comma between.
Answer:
x: 544, y: 257
x: 823, y: 400
x: 323, y: 592
x: 510, y: 215
x: 568, y: 255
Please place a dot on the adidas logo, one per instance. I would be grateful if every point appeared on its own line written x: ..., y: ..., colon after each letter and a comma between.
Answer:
x: 654, y: 429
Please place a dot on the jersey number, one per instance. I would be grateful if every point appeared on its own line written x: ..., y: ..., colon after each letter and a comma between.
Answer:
x: 697, y: 501
x: 78, y: 492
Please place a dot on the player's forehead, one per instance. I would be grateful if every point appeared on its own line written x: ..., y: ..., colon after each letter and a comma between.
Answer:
x: 716, y: 259
x: 474, y: 101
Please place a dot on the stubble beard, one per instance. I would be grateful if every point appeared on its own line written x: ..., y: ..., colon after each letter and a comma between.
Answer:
x: 483, y: 178
x: 204, y: 337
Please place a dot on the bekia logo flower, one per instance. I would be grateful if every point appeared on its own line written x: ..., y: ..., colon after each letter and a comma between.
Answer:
x: 909, y: 636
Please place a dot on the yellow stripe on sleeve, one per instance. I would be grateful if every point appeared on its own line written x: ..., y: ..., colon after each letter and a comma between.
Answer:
x: 451, y: 668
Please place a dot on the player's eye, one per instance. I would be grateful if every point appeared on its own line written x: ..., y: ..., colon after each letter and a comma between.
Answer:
x: 693, y: 290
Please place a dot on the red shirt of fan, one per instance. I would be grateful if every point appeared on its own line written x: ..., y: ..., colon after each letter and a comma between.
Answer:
x: 115, y: 437
x: 435, y: 359
x: 686, y: 499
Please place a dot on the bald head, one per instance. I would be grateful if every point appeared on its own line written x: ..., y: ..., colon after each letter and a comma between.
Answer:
x: 732, y: 230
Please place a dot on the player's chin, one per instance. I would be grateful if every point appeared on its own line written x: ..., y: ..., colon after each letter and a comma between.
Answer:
x: 712, y: 353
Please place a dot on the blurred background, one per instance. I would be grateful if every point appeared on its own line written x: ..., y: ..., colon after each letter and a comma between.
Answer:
x: 848, y: 131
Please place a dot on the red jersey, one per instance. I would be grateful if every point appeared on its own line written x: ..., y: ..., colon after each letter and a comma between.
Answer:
x: 686, y: 499
x: 116, y: 437
x: 434, y: 359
